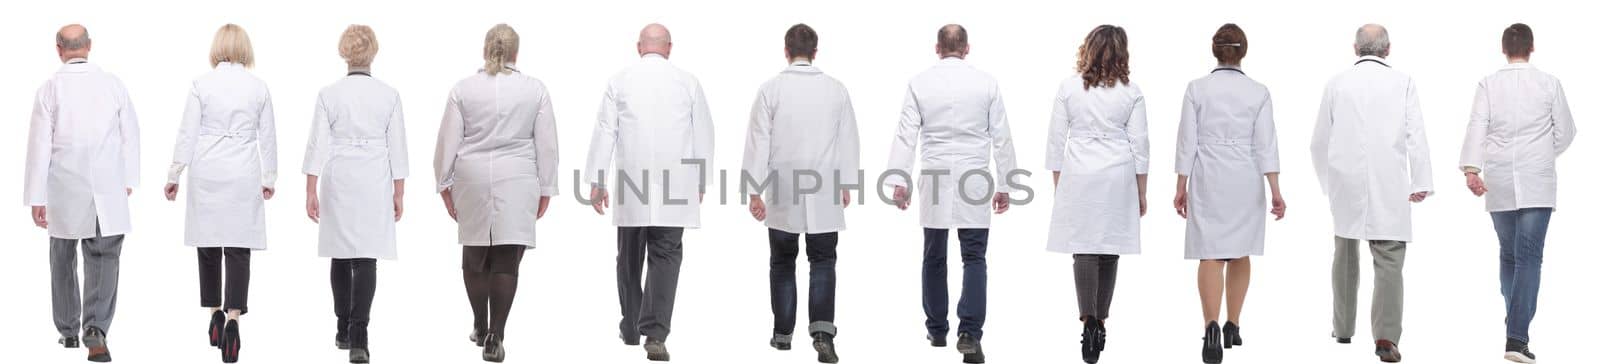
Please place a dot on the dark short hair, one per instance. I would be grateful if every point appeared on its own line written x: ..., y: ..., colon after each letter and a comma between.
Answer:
x: 952, y: 38
x: 1229, y: 45
x: 1517, y: 41
x: 800, y: 41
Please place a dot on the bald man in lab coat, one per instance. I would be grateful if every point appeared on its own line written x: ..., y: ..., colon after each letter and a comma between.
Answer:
x: 83, y: 162
x: 1371, y: 156
x: 954, y: 111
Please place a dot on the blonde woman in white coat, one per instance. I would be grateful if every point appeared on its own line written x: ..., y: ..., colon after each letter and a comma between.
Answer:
x: 1099, y: 151
x: 496, y: 170
x: 1226, y: 143
x: 229, y: 144
x: 357, y: 152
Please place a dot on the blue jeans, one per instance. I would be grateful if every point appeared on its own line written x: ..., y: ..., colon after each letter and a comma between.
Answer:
x: 974, y: 282
x: 1521, y: 255
x: 822, y: 251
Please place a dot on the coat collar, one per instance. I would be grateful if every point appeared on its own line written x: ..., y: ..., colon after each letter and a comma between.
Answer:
x: 1518, y: 66
x: 1373, y: 59
x: 77, y: 65
x: 653, y: 56
x: 802, y: 66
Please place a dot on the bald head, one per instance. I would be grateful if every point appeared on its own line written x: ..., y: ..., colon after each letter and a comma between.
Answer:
x: 953, y: 41
x: 1372, y: 40
x: 655, y: 38
x: 72, y: 41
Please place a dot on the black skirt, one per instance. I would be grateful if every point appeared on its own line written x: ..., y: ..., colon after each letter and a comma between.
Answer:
x: 492, y: 259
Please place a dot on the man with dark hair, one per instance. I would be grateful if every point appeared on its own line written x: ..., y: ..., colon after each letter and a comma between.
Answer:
x: 956, y: 113
x: 1519, y: 124
x: 802, y: 123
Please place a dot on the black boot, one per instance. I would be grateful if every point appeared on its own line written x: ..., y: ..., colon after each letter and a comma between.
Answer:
x: 1211, y: 351
x: 780, y: 342
x: 1091, y: 336
x: 1230, y: 336
x: 823, y: 342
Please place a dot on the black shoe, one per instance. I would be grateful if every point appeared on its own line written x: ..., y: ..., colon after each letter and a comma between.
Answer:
x: 214, y: 330
x: 1388, y: 351
x: 937, y: 342
x: 1342, y: 340
x: 629, y: 340
x: 1517, y: 352
x: 780, y: 342
x: 478, y: 336
x: 1230, y: 336
x: 1211, y: 351
x: 493, y: 349
x: 360, y: 356
x: 656, y: 349
x: 95, y: 339
x: 341, y: 340
x: 1094, y: 339
x: 966, y: 344
x: 230, y: 342
x: 69, y: 342
x: 823, y: 342
x: 976, y: 358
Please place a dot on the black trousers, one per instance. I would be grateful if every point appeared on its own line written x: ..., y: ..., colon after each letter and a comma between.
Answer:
x: 236, y: 263
x: 1096, y: 278
x: 648, y: 311
x: 822, y: 251
x: 354, y: 283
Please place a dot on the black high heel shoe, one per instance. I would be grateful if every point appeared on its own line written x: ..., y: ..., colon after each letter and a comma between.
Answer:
x: 1211, y: 352
x: 214, y: 330
x: 479, y: 336
x: 230, y: 342
x: 1230, y: 336
x: 493, y: 351
x: 1093, y: 340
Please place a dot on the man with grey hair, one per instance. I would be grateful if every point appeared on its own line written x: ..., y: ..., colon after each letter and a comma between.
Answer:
x: 83, y: 162
x: 1371, y: 156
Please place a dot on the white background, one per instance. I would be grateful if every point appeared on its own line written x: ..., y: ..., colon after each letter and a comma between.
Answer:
x: 567, y: 311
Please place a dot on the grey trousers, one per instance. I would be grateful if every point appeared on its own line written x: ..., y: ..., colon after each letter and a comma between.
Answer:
x: 1388, y: 292
x: 647, y: 309
x: 101, y: 263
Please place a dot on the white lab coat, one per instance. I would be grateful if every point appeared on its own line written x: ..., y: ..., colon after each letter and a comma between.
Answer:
x: 497, y: 155
x: 357, y: 148
x: 1100, y: 143
x: 83, y: 153
x: 803, y: 136
x: 1520, y: 123
x: 955, y: 112
x: 1226, y: 142
x: 652, y: 118
x: 1371, y: 152
x: 229, y: 143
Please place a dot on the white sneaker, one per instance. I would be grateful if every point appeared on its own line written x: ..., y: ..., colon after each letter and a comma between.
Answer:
x: 1520, y: 357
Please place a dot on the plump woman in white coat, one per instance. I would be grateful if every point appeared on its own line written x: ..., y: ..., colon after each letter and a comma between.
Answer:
x: 228, y: 143
x: 496, y: 170
x: 357, y: 153
x: 1099, y: 151
x: 1226, y: 143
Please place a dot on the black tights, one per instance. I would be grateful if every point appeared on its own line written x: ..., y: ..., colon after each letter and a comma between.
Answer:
x: 354, y: 282
x: 491, y: 295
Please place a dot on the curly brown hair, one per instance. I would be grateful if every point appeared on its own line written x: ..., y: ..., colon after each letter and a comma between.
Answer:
x: 1103, y: 57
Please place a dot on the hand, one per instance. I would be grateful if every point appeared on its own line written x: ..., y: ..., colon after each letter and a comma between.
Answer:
x: 600, y: 199
x: 1002, y: 203
x: 1278, y: 207
x: 1475, y: 184
x: 758, y: 208
x: 449, y: 203
x: 902, y: 199
x: 544, y: 204
x: 845, y: 196
x: 266, y: 192
x: 313, y: 210
x: 1418, y: 197
x: 130, y: 191
x: 1142, y: 205
x: 171, y: 190
x: 1181, y: 203
x: 399, y: 205
x: 38, y: 218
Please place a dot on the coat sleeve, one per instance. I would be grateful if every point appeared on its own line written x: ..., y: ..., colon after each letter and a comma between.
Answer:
x: 704, y: 137
x: 849, y: 142
x: 41, y: 131
x: 1565, y: 127
x: 452, y: 128
x: 267, y: 143
x: 604, y: 140
x: 1005, y: 154
x: 1188, y: 135
x: 318, y: 140
x: 399, y: 150
x: 546, y: 148
x: 1139, y: 135
x: 757, y: 144
x: 1320, y: 137
x: 1055, y: 148
x: 904, y: 147
x: 188, y: 132
x: 1417, y: 144
x: 1264, y: 139
x: 1472, y: 148
x: 130, y: 138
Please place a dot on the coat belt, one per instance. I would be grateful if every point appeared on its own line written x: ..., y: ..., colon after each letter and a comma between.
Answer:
x: 227, y: 133
x: 1224, y: 141
x: 373, y: 142
x: 1095, y: 135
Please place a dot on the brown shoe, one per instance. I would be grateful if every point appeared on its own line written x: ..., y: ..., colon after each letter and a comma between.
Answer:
x: 95, y: 339
x: 1388, y: 351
